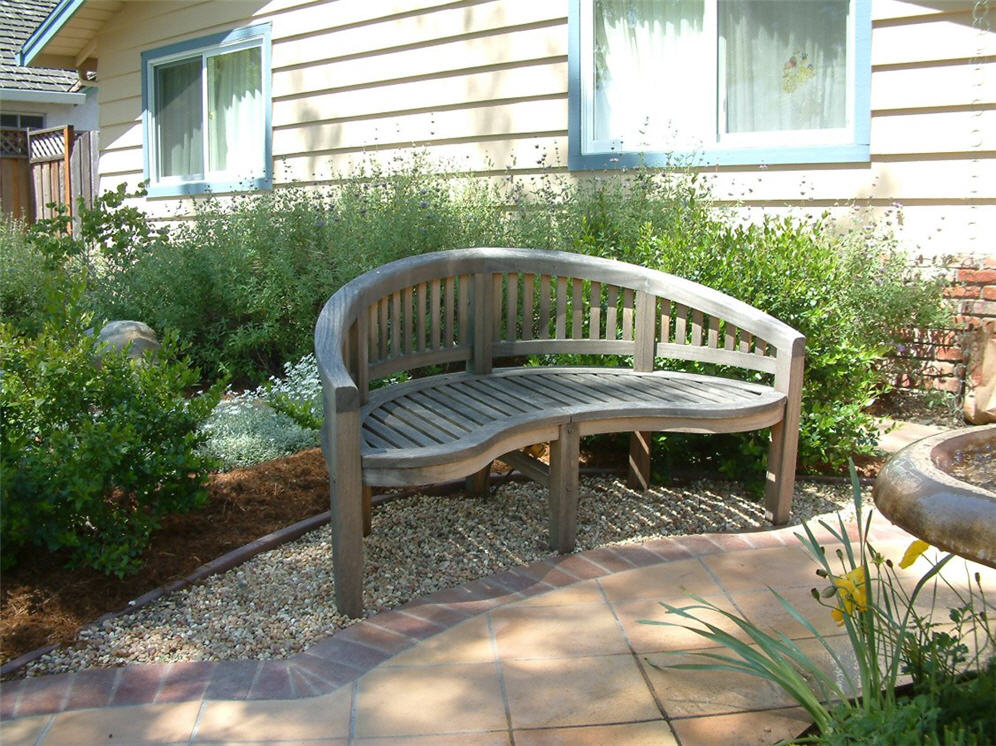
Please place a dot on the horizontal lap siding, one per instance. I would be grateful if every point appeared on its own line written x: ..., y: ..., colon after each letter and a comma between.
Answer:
x: 479, y: 84
x: 933, y: 147
x: 483, y: 85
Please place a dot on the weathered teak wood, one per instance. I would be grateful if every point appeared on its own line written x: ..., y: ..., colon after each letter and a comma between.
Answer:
x: 474, y: 306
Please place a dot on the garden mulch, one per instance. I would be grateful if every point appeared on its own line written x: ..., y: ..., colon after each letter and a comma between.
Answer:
x: 42, y: 602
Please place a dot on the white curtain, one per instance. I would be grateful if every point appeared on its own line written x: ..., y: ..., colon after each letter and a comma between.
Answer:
x: 783, y: 64
x: 652, y: 69
x: 235, y: 111
x: 178, y: 118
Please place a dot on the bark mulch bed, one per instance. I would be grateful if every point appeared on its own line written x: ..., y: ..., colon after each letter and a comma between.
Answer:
x: 42, y: 602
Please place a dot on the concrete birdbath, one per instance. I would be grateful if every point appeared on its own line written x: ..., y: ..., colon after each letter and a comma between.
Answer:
x: 942, y: 489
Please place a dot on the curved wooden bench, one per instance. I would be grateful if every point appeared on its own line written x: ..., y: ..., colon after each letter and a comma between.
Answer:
x: 476, y: 306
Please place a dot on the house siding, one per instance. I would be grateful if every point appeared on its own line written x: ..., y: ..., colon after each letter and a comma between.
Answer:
x: 482, y: 86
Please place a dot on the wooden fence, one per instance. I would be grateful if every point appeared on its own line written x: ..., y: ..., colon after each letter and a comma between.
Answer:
x: 40, y: 167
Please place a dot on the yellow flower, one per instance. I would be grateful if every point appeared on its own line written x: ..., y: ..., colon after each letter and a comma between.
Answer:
x: 852, y: 593
x: 913, y: 551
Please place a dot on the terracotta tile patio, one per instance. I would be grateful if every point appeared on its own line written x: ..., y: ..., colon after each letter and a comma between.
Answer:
x: 551, y: 653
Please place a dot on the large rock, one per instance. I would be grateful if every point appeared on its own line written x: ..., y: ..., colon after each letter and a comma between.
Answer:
x: 117, y: 335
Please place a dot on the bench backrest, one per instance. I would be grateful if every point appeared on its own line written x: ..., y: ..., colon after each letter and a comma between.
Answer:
x: 475, y: 305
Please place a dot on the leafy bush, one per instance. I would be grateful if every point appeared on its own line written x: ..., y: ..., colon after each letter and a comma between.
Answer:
x: 26, y: 278
x: 93, y: 457
x: 95, y: 449
x: 243, y: 283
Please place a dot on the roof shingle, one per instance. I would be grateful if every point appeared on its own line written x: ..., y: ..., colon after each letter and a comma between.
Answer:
x: 18, y: 19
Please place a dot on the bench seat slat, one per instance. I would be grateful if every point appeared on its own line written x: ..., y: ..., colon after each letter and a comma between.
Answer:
x: 524, y: 399
x: 409, y: 411
x: 466, y: 405
x: 496, y: 391
x: 457, y: 422
x: 391, y: 417
x: 540, y: 387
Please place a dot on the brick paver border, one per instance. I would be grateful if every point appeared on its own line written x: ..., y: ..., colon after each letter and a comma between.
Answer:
x: 348, y: 654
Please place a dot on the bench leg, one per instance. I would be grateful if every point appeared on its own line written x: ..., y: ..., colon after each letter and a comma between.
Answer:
x: 367, y: 510
x: 347, y: 497
x: 780, y: 477
x: 565, y: 454
x: 478, y: 484
x: 639, y: 461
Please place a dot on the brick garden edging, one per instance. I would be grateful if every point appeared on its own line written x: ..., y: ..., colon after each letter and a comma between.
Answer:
x: 350, y: 653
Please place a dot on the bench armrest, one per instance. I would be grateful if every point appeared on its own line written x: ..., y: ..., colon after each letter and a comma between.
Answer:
x: 341, y: 392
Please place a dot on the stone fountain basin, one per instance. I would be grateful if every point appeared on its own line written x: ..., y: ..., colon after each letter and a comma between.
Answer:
x: 915, y: 492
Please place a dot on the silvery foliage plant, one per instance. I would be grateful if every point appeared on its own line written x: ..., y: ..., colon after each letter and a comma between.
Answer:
x: 277, y: 419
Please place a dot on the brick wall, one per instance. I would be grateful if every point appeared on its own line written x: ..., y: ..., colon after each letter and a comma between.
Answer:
x: 942, y: 356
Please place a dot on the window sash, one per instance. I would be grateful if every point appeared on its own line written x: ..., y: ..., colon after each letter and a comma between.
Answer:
x: 250, y: 163
x: 714, y: 135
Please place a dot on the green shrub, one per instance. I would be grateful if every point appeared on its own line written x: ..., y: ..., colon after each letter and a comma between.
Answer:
x: 26, y: 278
x: 850, y: 291
x: 92, y: 458
x: 243, y: 283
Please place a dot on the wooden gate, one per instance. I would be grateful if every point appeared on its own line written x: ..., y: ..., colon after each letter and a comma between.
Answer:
x: 16, y: 194
x: 41, y: 167
x: 63, y: 168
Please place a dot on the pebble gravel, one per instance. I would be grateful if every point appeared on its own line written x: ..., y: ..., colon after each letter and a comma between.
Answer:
x: 281, y: 602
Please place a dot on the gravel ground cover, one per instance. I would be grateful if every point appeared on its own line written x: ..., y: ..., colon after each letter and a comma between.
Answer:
x: 280, y: 602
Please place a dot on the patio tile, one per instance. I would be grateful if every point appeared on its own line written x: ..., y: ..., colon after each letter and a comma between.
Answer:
x: 742, y: 728
x: 666, y: 581
x: 138, y: 685
x: 324, y: 717
x: 766, y: 612
x: 407, y: 624
x: 698, y: 545
x: 272, y: 681
x: 23, y: 731
x: 652, y: 638
x: 668, y: 549
x: 584, y: 592
x: 232, y: 680
x: 423, y: 700
x: 144, y: 724
x: 322, y: 672
x: 469, y: 642
x: 755, y: 569
x: 353, y: 654
x: 493, y: 738
x: 375, y: 637
x: 42, y: 694
x: 636, y: 555
x: 556, y: 631
x: 548, y: 571
x: 577, y: 565
x: 185, y: 681
x: 652, y: 733
x: 577, y: 691
x: 92, y: 688
x: 608, y: 558
x: 686, y: 693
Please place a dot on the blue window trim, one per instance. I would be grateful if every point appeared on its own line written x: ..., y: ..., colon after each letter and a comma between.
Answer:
x: 859, y: 151
x: 203, y: 186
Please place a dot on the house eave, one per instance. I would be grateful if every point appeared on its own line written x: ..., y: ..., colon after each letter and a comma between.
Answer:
x: 46, y: 31
x: 22, y: 95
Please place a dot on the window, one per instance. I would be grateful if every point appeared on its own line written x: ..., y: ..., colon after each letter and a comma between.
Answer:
x: 731, y: 81
x: 207, y: 114
x: 22, y: 121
